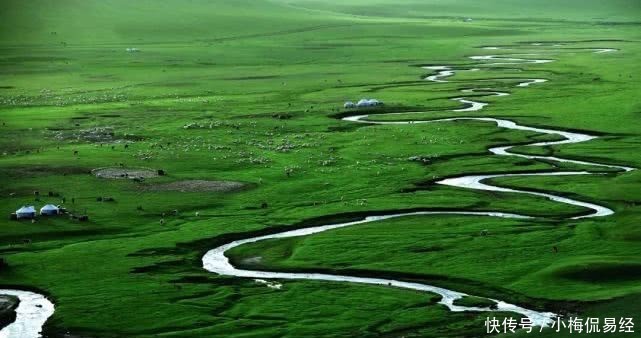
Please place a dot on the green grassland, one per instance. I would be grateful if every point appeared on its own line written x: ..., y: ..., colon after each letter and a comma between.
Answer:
x: 248, y: 91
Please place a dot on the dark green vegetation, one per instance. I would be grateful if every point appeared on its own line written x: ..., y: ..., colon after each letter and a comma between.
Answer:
x: 475, y: 301
x: 8, y: 305
x: 248, y: 91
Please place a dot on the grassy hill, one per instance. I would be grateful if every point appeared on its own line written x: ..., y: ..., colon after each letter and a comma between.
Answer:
x: 540, y: 10
x: 144, y: 22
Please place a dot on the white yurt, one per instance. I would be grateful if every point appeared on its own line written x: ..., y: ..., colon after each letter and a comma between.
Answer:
x: 363, y: 103
x: 368, y: 103
x: 26, y: 212
x: 374, y: 102
x: 349, y: 104
x: 49, y: 210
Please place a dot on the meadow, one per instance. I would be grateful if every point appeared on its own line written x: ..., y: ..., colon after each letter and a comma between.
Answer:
x: 252, y: 92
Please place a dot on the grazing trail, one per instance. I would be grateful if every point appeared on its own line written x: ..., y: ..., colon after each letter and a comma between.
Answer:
x: 216, y: 261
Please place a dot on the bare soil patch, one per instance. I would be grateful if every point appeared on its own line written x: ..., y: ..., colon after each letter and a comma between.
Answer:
x: 122, y: 173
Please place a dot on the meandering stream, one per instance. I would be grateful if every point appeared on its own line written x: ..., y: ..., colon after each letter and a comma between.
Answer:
x: 31, y: 314
x: 34, y: 309
x: 216, y: 261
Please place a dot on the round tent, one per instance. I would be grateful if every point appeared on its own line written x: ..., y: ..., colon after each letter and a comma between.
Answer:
x: 49, y: 210
x: 26, y: 212
x: 363, y: 103
x: 368, y: 103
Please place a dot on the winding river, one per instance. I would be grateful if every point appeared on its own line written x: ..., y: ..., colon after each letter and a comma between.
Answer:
x: 216, y: 261
x: 34, y: 309
x: 31, y: 314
